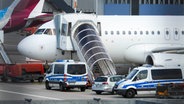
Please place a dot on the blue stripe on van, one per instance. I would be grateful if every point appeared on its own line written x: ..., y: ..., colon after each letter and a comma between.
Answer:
x: 69, y: 77
x: 151, y: 84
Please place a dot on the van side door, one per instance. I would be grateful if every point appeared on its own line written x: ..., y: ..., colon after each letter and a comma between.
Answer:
x: 141, y: 82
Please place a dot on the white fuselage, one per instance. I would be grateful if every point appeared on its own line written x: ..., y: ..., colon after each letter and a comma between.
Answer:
x: 127, y: 39
x: 131, y: 36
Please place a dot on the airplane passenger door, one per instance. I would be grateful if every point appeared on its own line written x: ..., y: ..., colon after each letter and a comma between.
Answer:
x: 66, y: 42
x: 167, y: 34
x: 63, y: 33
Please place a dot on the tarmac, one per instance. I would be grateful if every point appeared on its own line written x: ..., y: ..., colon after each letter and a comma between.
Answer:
x: 96, y: 101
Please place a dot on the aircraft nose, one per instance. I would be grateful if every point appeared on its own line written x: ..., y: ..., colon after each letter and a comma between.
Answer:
x: 25, y: 47
x: 40, y: 47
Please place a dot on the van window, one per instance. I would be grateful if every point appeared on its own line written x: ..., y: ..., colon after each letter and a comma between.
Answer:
x: 142, y: 75
x: 76, y: 69
x: 166, y: 74
x: 59, y: 69
x: 132, y: 73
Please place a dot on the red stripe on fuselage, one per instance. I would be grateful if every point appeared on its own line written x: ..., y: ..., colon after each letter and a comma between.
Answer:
x: 21, y: 11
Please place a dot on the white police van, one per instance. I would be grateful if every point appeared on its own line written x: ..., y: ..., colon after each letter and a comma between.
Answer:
x: 145, y: 79
x: 67, y: 74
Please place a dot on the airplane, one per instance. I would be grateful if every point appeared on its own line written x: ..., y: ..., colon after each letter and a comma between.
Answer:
x: 137, y: 40
x: 23, y: 13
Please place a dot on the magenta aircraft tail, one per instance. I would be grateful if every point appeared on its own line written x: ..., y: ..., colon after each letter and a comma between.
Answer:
x: 25, y: 13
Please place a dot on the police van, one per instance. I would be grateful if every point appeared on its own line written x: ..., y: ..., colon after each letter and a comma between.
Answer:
x: 145, y: 79
x: 66, y: 75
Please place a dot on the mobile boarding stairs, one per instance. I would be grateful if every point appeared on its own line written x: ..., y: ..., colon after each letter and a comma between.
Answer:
x: 83, y: 37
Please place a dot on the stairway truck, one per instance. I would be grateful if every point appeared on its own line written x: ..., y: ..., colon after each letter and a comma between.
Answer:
x: 145, y: 79
x: 18, y: 72
x: 66, y: 75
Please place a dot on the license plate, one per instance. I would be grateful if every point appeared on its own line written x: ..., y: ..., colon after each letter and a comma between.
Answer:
x: 98, y: 85
x: 71, y: 81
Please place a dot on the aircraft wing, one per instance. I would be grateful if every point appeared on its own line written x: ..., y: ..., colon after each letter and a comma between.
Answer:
x: 176, y: 50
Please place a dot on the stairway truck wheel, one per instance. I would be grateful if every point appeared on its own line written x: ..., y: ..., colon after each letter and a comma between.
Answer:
x: 4, y: 79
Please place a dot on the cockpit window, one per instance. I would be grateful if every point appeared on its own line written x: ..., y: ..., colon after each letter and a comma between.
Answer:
x: 54, y: 31
x: 39, y: 31
x: 48, y: 32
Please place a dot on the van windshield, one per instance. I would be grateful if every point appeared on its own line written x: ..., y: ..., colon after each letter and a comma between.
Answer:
x: 76, y: 69
x: 132, y: 74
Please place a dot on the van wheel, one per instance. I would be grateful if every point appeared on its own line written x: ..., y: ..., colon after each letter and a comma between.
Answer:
x: 61, y: 87
x: 130, y: 93
x: 82, y: 89
x: 47, y: 85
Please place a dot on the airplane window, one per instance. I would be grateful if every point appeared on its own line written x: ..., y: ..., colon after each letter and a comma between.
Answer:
x: 117, y: 32
x: 48, y: 32
x: 124, y: 32
x: 112, y: 32
x: 129, y: 32
x: 54, y: 31
x: 141, y: 32
x: 106, y: 32
x: 182, y: 32
x: 152, y: 32
x: 39, y: 31
x: 147, y: 32
x: 158, y: 32
x: 135, y: 32
x: 176, y: 32
x: 167, y: 32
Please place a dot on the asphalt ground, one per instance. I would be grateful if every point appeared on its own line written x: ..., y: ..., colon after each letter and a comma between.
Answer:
x: 20, y: 91
x: 37, y: 91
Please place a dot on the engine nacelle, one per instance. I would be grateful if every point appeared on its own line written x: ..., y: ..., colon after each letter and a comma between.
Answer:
x: 165, y: 59
x: 137, y: 54
x: 142, y: 54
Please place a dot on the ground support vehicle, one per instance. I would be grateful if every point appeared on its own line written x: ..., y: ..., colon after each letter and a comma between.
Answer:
x: 145, y: 79
x: 106, y: 83
x: 172, y: 90
x: 22, y: 71
x: 66, y: 75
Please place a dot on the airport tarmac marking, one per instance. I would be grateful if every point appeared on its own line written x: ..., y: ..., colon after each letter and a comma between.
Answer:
x: 45, y: 97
